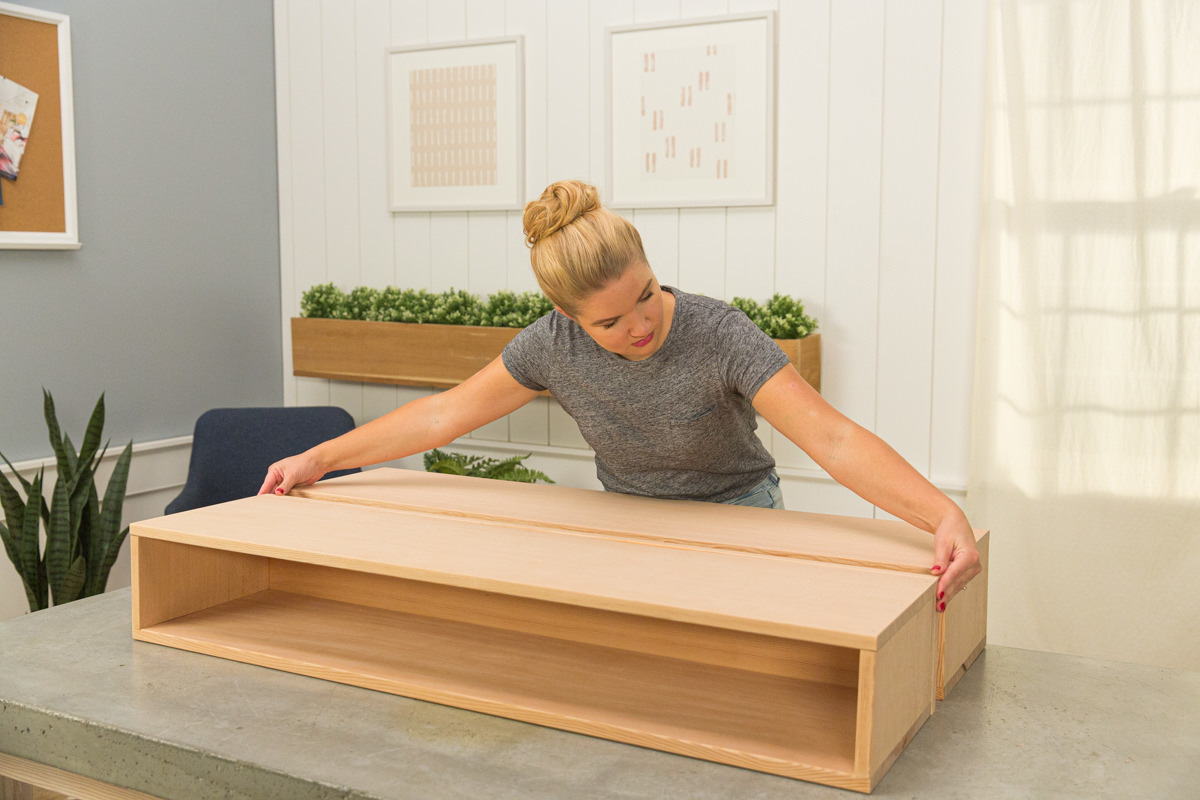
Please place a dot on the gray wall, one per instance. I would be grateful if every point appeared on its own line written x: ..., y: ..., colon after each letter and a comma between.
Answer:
x: 172, y: 304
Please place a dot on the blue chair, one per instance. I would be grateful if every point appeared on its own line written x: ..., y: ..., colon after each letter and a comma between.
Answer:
x: 232, y: 448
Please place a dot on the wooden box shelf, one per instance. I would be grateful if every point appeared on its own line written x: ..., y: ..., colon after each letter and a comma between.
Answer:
x: 879, y: 544
x: 816, y: 671
x: 440, y: 356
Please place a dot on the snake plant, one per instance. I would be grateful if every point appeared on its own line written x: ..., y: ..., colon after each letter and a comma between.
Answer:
x: 82, y: 535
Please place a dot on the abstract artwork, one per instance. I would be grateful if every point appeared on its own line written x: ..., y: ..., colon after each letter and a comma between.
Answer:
x: 454, y: 114
x: 691, y: 113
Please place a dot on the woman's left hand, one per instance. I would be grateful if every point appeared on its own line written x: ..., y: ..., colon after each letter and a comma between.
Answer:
x: 956, y: 560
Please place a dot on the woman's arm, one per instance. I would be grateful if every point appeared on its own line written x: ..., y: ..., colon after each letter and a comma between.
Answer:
x: 865, y: 464
x: 414, y: 427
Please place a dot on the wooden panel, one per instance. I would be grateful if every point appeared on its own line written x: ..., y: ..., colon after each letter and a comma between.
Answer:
x: 170, y: 580
x: 964, y: 626
x: 43, y: 776
x: 880, y: 544
x: 392, y: 352
x: 836, y: 666
x: 750, y: 719
x: 691, y: 585
x: 900, y: 704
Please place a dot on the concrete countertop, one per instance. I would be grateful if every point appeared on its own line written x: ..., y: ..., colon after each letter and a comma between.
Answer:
x: 77, y: 693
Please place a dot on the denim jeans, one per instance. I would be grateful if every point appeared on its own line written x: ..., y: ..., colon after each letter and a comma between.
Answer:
x: 766, y: 495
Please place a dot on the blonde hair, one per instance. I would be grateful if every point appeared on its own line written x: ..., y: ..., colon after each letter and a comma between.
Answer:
x: 576, y: 245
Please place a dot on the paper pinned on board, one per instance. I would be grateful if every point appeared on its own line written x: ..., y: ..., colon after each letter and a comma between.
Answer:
x: 17, y: 105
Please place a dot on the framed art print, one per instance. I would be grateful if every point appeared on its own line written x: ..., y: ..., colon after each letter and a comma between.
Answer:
x: 455, y: 136
x: 691, y: 113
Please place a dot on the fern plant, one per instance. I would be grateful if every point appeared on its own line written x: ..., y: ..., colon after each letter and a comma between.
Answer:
x: 508, y: 469
x: 81, y: 531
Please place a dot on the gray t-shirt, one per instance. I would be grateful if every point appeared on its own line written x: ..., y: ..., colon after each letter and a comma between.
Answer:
x: 678, y: 424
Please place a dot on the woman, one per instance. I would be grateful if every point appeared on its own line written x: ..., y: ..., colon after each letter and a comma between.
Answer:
x: 664, y: 386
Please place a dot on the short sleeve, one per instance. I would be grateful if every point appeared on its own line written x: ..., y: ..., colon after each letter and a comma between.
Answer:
x: 748, y: 357
x: 525, y: 356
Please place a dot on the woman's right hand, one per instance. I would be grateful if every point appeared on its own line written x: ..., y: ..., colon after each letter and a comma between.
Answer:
x: 285, y: 475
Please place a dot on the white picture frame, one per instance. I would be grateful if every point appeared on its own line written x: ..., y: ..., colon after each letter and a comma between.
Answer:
x: 455, y: 116
x: 691, y: 113
x: 66, y: 236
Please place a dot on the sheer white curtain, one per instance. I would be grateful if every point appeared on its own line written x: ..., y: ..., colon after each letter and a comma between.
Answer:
x: 1086, y: 451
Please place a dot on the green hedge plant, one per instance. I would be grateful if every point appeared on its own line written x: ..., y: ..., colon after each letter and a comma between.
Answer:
x: 503, y: 309
x: 82, y: 532
x: 781, y: 317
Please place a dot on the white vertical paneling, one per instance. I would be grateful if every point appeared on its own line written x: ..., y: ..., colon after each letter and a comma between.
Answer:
x: 603, y: 16
x: 376, y: 228
x: 749, y: 253
x: 339, y: 91
x: 568, y: 91
x: 529, y: 19
x: 289, y: 293
x: 485, y: 19
x: 488, y: 274
x: 449, y: 248
x: 411, y: 231
x: 703, y: 8
x: 446, y: 20
x: 659, y: 228
x: 310, y: 260
x: 960, y: 177
x: 802, y: 166
x: 855, y: 143
x: 377, y: 241
x: 655, y: 10
x: 908, y: 226
x: 702, y: 251
x: 563, y: 430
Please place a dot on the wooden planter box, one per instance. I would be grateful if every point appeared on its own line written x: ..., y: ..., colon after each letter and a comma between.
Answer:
x: 855, y: 541
x: 440, y: 356
x: 812, y: 670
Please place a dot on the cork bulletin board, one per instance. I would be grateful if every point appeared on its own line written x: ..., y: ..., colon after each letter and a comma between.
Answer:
x: 38, y: 208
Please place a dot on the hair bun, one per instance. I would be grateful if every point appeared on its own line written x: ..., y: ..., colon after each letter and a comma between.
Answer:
x: 561, y: 204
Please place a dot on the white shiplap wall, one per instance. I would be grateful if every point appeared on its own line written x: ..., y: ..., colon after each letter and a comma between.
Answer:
x: 876, y: 222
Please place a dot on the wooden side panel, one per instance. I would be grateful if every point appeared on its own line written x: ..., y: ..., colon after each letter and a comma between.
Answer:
x: 837, y: 666
x: 171, y: 580
x: 763, y: 722
x: 964, y: 627
x: 896, y: 693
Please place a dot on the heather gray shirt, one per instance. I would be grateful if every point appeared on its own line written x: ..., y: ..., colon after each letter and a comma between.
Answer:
x: 678, y: 424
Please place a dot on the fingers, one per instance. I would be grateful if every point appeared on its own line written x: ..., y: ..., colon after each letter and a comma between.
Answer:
x: 276, y: 481
x: 962, y: 567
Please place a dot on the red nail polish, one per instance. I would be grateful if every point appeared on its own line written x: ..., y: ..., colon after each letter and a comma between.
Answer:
x: 937, y: 566
x: 941, y: 595
x: 942, y: 607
